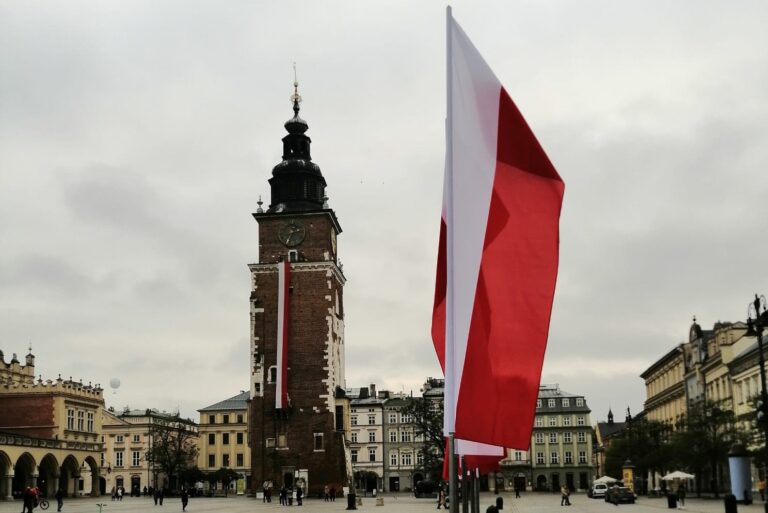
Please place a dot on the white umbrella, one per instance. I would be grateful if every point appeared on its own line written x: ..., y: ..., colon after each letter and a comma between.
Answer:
x: 605, y: 480
x: 677, y: 474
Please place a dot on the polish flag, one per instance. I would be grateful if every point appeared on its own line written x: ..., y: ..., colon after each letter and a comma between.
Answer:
x: 283, y: 282
x: 498, y: 257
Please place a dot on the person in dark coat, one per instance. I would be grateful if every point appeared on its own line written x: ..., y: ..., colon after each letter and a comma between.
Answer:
x: 59, y: 499
x: 156, y: 497
x: 184, y: 499
x: 333, y: 493
x: 299, y: 495
x: 160, y: 495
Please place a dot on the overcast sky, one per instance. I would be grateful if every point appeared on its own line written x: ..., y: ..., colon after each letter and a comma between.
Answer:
x: 136, y: 138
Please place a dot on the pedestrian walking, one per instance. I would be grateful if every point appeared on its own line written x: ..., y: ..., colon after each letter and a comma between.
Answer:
x: 517, y: 492
x: 184, y: 499
x: 333, y: 493
x: 160, y: 496
x: 326, y: 493
x: 441, y: 498
x: 761, y: 489
x: 299, y: 495
x: 264, y: 491
x: 681, y: 496
x: 59, y: 499
x: 156, y: 497
x: 564, y: 496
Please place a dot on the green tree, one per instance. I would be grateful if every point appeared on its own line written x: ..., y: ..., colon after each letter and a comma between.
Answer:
x: 703, y: 440
x: 173, y: 446
x: 427, y: 418
x: 225, y: 476
x: 645, y: 443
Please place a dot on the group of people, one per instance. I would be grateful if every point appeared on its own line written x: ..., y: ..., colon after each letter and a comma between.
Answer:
x: 329, y: 493
x: 117, y: 493
x: 565, y: 496
x: 32, y: 496
x: 286, y: 496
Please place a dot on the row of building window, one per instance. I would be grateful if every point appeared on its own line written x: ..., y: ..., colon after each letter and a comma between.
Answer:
x: 405, y: 436
x: 404, y: 419
x: 225, y: 438
x: 239, y: 462
x: 567, y: 437
x: 79, y: 420
x: 566, y: 420
x: 225, y: 419
x: 554, y: 457
x: 565, y: 402
x: 135, y: 458
x: 121, y: 439
x: 282, y: 442
x: 404, y: 459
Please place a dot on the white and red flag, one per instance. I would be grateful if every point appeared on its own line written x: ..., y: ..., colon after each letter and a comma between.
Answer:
x: 283, y: 282
x: 498, y: 257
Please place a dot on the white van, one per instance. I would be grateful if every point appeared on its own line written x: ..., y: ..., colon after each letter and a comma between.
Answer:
x: 598, y: 490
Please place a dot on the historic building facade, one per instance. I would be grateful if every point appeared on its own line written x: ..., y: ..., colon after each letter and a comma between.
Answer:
x: 224, y: 439
x: 366, y: 437
x: 403, y: 456
x: 128, y: 438
x: 50, y: 432
x: 297, y: 436
x: 561, y: 444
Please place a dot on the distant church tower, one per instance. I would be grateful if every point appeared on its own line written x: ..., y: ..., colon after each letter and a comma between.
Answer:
x: 298, y: 411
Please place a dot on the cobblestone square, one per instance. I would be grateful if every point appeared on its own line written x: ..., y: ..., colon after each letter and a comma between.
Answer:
x: 402, y: 503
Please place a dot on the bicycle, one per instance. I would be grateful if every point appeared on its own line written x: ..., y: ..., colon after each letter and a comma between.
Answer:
x: 42, y: 503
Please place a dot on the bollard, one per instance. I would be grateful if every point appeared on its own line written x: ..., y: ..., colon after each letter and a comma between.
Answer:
x: 730, y: 503
x: 351, y: 501
x: 499, y: 503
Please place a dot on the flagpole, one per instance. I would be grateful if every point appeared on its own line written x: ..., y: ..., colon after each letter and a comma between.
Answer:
x: 452, y: 481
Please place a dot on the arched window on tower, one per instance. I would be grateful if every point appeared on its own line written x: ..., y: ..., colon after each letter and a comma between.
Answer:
x: 272, y: 374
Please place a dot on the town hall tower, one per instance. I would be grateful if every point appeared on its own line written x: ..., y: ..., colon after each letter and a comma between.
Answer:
x: 298, y: 411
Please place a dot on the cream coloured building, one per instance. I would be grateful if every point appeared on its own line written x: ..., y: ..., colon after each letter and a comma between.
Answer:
x: 224, y: 439
x: 665, y: 388
x: 128, y: 437
x: 50, y: 432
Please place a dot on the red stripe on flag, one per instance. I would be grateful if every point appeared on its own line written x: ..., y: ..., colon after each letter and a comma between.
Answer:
x: 438, y: 310
x: 515, y: 290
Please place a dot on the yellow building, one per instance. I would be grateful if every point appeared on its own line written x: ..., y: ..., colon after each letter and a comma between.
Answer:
x: 50, y: 432
x: 224, y: 439
x: 665, y: 389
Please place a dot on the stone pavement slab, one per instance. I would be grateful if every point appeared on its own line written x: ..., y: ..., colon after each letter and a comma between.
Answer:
x: 401, y: 503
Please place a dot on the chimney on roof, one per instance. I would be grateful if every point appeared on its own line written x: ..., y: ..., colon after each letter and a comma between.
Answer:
x: 373, y: 390
x: 363, y: 393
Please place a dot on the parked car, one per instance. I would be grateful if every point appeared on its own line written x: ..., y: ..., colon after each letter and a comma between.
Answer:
x: 620, y: 494
x: 425, y: 489
x: 598, y: 490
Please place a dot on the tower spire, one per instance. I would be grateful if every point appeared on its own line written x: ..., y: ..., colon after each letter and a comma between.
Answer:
x: 295, y: 97
x: 297, y: 184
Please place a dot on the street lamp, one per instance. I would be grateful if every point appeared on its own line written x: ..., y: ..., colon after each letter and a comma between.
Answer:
x: 757, y: 308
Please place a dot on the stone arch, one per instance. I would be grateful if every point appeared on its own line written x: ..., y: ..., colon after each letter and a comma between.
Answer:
x: 48, y: 480
x: 541, y: 483
x: 69, y: 476
x: 6, y: 477
x: 24, y: 473
x: 93, y: 469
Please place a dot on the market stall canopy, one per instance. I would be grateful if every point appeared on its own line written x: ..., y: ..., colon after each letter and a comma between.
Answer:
x: 606, y: 480
x: 677, y: 474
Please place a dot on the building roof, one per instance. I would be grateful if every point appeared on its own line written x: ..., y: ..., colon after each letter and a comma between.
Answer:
x: 236, y: 402
x: 609, y: 429
x: 673, y: 353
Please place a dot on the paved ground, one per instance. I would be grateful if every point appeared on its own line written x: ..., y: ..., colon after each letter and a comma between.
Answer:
x: 529, y: 503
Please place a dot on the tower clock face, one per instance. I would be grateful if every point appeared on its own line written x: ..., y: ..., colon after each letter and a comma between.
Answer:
x: 292, y: 233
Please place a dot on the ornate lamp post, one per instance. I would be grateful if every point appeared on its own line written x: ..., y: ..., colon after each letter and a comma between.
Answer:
x: 757, y: 309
